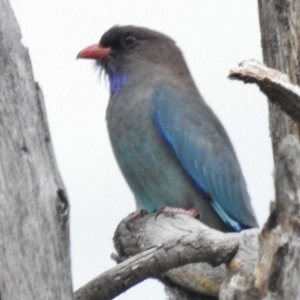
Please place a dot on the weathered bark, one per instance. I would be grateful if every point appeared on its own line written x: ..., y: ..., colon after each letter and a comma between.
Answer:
x: 274, y: 84
x: 276, y: 274
x: 278, y: 270
x: 34, y: 211
x: 280, y: 32
x: 165, y: 243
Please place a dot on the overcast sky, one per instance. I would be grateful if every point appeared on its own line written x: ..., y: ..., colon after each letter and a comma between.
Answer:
x: 214, y: 36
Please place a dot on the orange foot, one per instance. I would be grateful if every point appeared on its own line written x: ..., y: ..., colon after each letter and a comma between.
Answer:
x: 171, y: 211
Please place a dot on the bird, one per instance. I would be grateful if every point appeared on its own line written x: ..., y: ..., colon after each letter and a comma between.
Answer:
x: 170, y: 146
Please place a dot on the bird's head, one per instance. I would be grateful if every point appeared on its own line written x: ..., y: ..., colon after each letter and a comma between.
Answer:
x: 128, y: 52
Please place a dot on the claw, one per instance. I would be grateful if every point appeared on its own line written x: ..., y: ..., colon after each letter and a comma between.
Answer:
x: 159, y: 213
x: 171, y: 211
x: 138, y: 214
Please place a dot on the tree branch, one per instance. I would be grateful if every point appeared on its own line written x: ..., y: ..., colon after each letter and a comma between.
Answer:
x: 278, y: 255
x: 167, y: 243
x: 274, y: 84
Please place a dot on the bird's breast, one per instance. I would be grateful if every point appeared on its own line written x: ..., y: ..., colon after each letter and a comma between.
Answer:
x: 151, y: 169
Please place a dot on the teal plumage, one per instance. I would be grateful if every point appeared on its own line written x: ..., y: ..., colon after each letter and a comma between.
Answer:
x: 170, y: 146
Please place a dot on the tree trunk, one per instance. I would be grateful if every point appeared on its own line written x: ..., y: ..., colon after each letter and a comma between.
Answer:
x: 277, y: 272
x: 34, y: 210
x: 280, y: 32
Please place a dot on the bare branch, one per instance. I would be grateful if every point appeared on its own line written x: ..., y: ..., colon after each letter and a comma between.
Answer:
x: 281, y: 235
x: 167, y: 243
x: 279, y: 252
x: 274, y: 84
x: 276, y: 275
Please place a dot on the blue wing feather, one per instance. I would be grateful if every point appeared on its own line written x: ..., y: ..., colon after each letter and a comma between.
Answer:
x: 204, y: 150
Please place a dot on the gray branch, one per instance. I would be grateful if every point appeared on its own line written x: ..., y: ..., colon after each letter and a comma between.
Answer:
x: 276, y: 275
x: 166, y: 243
x: 273, y: 83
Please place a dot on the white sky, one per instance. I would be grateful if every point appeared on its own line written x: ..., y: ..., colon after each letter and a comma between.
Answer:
x: 214, y: 37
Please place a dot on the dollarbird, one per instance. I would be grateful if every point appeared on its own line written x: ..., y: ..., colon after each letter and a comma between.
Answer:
x: 171, y: 148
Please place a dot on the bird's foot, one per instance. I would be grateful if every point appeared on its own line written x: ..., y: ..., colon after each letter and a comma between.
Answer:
x: 171, y: 211
x: 138, y: 214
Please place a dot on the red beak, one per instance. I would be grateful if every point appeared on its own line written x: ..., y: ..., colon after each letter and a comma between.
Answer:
x: 94, y: 52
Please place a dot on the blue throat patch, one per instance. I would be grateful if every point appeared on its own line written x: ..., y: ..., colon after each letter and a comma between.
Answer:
x: 117, y: 82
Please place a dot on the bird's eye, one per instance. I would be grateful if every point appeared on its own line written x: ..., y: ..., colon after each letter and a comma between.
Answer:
x: 129, y: 39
